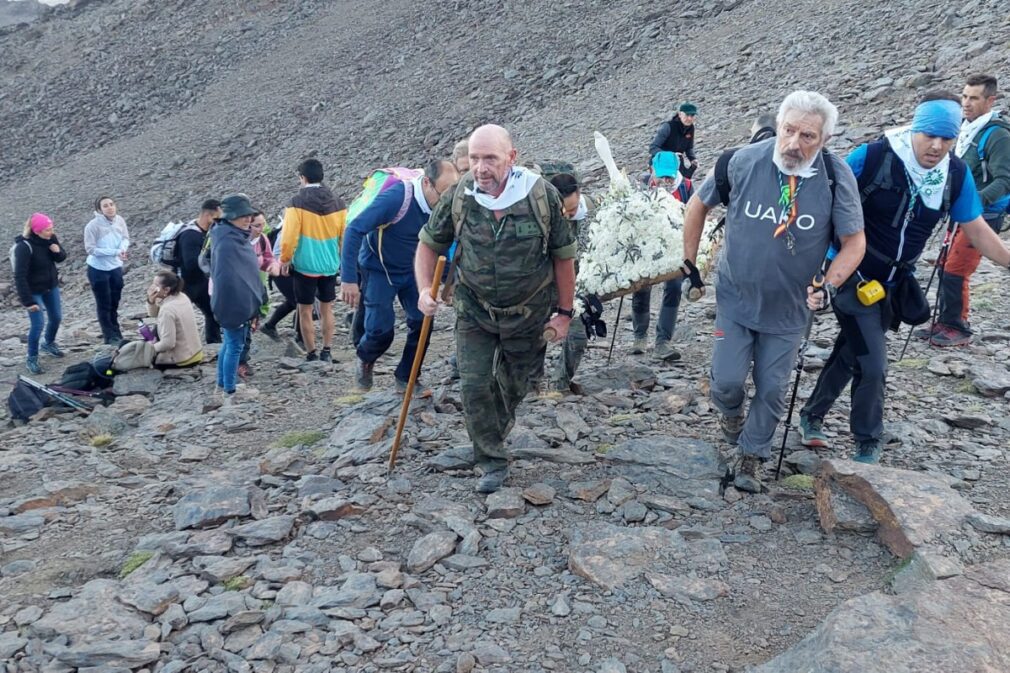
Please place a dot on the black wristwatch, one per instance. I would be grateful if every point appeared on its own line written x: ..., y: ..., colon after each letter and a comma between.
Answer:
x: 570, y: 313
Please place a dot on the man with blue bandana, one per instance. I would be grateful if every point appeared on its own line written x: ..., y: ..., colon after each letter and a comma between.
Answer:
x: 909, y: 181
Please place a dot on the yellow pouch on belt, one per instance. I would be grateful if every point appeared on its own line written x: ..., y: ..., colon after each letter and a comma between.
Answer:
x: 870, y: 292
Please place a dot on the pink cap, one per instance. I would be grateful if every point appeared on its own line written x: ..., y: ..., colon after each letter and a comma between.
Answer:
x: 40, y: 222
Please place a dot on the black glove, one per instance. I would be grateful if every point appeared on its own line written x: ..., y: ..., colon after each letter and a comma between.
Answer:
x: 697, y: 290
x: 592, y: 316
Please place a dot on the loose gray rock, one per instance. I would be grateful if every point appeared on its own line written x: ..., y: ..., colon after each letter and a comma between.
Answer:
x: 539, y: 494
x: 430, y: 549
x: 988, y: 523
x: 506, y: 503
x: 137, y: 382
x: 107, y: 654
x: 266, y: 531
x: 359, y: 590
x: 210, y: 507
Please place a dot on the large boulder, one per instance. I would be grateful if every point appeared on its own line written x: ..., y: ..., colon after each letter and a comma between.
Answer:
x: 911, y: 509
x: 960, y: 624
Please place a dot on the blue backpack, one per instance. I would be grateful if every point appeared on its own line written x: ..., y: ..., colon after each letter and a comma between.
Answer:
x: 1001, y: 205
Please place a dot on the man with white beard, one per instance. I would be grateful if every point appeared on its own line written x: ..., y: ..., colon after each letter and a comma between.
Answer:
x: 782, y: 215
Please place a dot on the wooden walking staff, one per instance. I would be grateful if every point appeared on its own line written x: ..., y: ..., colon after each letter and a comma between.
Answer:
x: 418, y: 359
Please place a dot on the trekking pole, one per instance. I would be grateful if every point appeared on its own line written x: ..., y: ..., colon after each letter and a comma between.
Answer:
x: 817, y: 283
x: 613, y: 337
x: 422, y: 342
x: 941, y: 264
x: 62, y: 398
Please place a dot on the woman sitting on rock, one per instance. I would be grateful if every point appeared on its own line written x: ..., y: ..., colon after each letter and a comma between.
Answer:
x: 36, y: 280
x: 178, y: 341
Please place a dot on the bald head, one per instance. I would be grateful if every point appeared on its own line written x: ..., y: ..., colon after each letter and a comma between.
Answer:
x: 492, y: 134
x: 492, y: 156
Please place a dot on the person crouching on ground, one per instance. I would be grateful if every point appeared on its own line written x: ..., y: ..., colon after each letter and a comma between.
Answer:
x: 178, y: 338
x: 36, y: 253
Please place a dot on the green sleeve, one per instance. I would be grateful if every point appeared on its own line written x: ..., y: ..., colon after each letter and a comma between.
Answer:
x: 562, y: 243
x: 439, y: 233
x: 997, y: 151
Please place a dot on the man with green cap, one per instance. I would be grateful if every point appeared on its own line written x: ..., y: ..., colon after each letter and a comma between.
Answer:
x: 677, y: 135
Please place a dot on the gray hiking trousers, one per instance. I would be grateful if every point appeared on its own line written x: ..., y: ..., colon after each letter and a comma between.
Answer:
x: 773, y: 357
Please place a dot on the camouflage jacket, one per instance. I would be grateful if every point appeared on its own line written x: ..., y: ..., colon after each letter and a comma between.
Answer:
x: 501, y: 260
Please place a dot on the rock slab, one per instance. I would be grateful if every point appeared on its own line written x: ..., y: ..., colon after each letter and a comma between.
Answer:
x: 681, y: 467
x: 958, y: 624
x: 210, y: 507
x: 911, y: 508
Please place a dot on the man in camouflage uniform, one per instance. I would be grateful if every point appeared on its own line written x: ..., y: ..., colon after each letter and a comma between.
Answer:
x: 516, y: 267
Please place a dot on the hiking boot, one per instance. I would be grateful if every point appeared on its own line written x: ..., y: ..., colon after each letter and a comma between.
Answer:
x: 244, y: 371
x: 363, y: 375
x: 270, y: 331
x: 52, y: 349
x: 925, y: 333
x: 948, y: 337
x: 731, y: 427
x: 746, y: 478
x: 665, y: 352
x: 811, y: 433
x: 325, y: 355
x: 311, y: 356
x: 493, y: 479
x: 868, y: 452
x: 32, y: 365
x: 639, y: 346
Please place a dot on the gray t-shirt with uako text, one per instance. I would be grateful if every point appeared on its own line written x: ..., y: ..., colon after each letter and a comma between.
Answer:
x: 762, y: 284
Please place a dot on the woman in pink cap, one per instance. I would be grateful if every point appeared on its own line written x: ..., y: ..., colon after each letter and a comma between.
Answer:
x: 35, y: 254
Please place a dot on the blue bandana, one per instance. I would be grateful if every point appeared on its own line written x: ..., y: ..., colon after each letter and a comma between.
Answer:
x: 941, y: 118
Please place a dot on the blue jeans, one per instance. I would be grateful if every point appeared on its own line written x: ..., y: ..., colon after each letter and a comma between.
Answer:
x: 667, y: 323
x: 232, y: 343
x: 107, y: 287
x: 50, y: 301
x: 378, y: 295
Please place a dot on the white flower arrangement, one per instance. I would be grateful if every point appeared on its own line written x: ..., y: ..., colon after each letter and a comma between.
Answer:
x: 635, y: 236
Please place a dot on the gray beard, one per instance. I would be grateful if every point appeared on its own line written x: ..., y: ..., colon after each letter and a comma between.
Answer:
x: 803, y: 170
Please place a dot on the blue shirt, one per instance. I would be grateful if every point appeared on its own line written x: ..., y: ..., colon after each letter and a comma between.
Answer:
x: 399, y: 241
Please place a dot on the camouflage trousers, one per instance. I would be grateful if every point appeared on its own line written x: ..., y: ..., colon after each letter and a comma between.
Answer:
x: 572, y: 350
x: 500, y: 359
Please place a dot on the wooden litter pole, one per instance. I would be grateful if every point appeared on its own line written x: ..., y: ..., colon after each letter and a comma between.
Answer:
x: 418, y: 359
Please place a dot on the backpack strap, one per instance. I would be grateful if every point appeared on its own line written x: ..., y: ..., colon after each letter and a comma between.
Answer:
x: 408, y: 196
x: 877, y: 170
x: 829, y: 172
x: 722, y: 175
x: 459, y: 207
x: 955, y: 181
x: 541, y: 209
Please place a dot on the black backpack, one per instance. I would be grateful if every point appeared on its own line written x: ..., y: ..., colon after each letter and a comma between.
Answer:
x: 86, y: 376
x: 25, y: 401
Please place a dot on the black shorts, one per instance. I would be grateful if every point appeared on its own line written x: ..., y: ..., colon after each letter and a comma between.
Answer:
x: 310, y: 288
